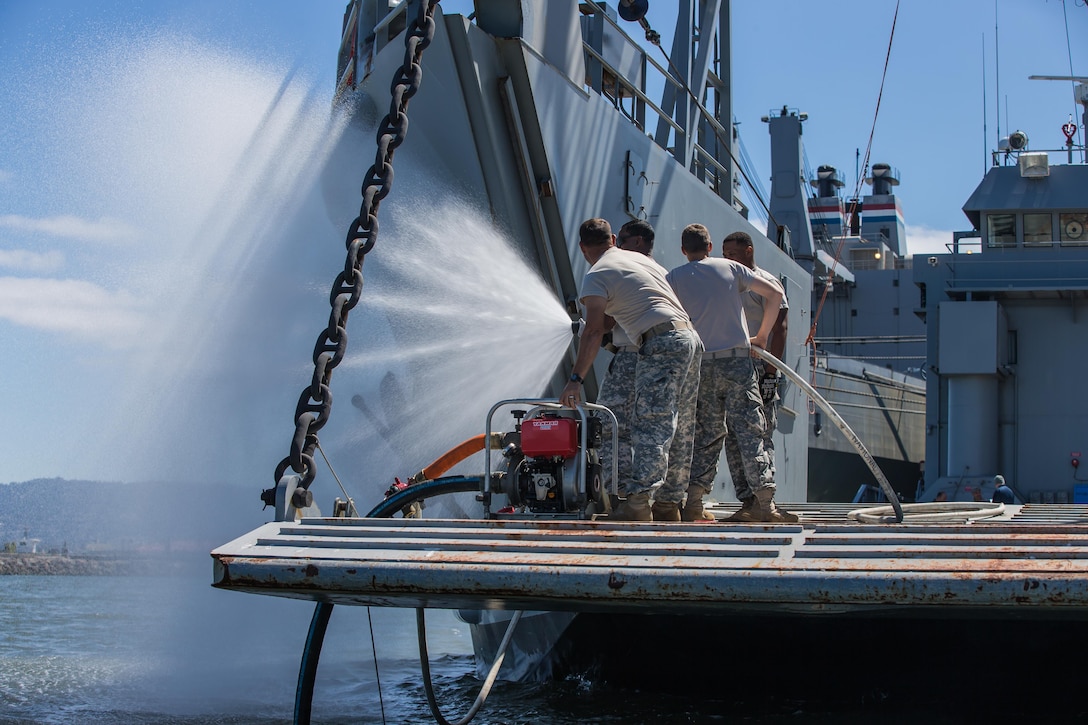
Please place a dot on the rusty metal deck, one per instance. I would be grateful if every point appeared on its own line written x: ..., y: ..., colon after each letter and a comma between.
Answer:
x: 1032, y: 561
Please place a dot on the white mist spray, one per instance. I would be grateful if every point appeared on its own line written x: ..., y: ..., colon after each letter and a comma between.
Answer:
x: 238, y: 253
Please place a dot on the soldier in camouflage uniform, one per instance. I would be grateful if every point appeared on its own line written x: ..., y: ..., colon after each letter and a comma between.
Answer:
x: 739, y: 248
x: 711, y: 290
x: 617, y: 391
x: 630, y: 290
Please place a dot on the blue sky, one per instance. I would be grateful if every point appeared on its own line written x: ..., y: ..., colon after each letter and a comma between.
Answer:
x: 126, y: 125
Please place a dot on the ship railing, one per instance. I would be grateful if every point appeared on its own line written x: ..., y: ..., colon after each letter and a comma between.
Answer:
x: 1007, y: 272
x: 360, y: 43
x: 610, y: 81
x: 362, y: 38
x: 615, y: 75
x: 868, y: 339
x: 1003, y: 157
x: 997, y: 247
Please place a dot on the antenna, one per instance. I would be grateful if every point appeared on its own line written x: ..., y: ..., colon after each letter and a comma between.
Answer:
x: 985, y: 133
x: 997, y: 73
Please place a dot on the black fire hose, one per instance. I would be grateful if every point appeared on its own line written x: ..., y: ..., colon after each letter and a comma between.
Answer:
x: 422, y: 490
x: 311, y: 653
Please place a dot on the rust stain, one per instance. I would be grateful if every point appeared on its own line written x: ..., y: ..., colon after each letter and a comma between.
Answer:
x: 310, y: 570
x: 615, y: 581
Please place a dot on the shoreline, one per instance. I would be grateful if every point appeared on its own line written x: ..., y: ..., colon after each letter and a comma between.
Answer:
x: 23, y: 564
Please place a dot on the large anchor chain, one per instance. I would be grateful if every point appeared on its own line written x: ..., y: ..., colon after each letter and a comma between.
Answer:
x: 315, y: 403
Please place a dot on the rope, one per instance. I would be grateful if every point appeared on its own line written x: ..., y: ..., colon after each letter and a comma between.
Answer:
x: 377, y: 674
x: 351, y: 502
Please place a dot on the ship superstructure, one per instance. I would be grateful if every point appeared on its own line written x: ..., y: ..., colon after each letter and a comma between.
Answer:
x: 1008, y: 330
x: 868, y: 346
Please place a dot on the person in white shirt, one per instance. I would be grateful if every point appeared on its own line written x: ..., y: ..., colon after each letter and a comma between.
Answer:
x: 630, y: 290
x: 617, y: 389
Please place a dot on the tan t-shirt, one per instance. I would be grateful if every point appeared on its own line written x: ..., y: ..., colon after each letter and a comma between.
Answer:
x: 636, y: 292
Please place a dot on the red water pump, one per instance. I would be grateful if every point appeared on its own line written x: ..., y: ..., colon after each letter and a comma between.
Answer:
x: 551, y: 465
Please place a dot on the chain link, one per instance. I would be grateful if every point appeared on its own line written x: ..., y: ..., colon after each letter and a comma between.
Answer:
x: 315, y: 404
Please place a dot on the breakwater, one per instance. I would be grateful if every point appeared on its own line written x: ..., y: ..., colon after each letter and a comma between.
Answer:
x: 58, y: 564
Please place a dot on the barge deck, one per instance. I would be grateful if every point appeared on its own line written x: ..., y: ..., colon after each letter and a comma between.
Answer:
x: 1028, y: 561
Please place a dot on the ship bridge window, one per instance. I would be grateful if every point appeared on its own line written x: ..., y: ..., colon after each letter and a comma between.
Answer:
x: 1038, y: 230
x: 1001, y: 230
x: 1074, y: 228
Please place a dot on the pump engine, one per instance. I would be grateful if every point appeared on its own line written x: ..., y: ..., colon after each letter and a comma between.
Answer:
x: 546, y: 470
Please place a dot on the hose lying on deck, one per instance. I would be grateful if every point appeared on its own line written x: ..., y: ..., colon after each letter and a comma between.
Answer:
x: 944, y: 512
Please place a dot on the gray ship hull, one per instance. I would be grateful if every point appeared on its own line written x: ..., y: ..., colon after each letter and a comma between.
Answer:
x: 885, y: 409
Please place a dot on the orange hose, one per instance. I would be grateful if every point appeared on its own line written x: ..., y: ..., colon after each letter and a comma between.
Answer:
x: 454, y: 456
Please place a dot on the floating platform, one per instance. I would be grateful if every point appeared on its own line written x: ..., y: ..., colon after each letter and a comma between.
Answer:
x: 1031, y: 561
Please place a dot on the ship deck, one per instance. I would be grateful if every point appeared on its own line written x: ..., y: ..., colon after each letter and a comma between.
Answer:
x: 1032, y: 561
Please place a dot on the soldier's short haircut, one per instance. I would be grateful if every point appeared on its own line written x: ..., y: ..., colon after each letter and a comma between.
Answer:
x: 639, y: 228
x: 743, y: 238
x: 695, y: 238
x: 595, y: 232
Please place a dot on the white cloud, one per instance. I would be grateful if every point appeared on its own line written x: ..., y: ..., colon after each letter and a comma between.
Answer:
x: 71, y: 307
x: 72, y: 227
x: 923, y: 240
x: 26, y: 261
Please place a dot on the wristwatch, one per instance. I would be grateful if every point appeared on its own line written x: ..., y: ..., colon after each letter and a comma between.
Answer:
x: 576, y: 378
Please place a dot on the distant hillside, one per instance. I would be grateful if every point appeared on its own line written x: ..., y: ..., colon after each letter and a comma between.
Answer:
x: 89, y: 516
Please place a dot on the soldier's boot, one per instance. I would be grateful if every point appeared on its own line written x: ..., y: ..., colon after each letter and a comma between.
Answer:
x: 665, y: 511
x: 744, y: 514
x: 766, y: 512
x: 635, y: 508
x: 693, y: 507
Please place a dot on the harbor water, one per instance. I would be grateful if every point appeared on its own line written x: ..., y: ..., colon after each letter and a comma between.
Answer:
x: 171, y: 649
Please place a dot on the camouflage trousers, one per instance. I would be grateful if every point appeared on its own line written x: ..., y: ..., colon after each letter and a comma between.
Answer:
x: 733, y: 455
x: 729, y: 400
x: 617, y: 393
x: 666, y: 381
